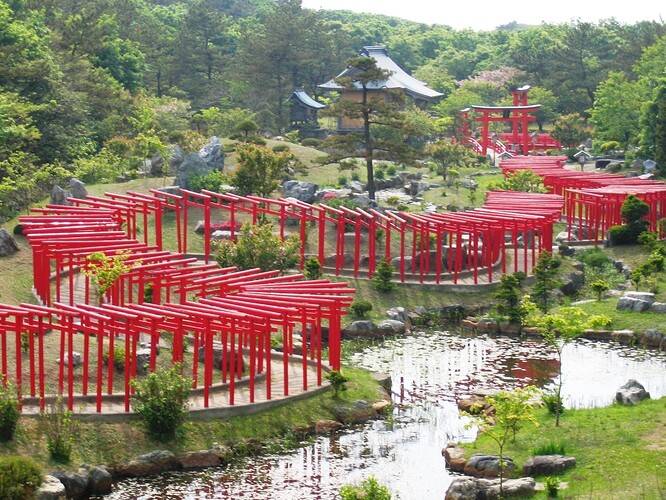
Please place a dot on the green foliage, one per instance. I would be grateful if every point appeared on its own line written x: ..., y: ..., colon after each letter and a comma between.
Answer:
x: 550, y: 448
x: 58, y: 425
x: 599, y: 287
x: 104, y: 271
x: 634, y: 209
x: 382, y: 279
x: 161, y: 401
x: 553, y: 403
x: 359, y: 308
x: 342, y: 181
x: 19, y: 477
x: 9, y: 411
x: 259, y: 170
x: 338, y: 381
x: 118, y: 357
x: 552, y: 485
x: 312, y: 269
x: 546, y: 282
x: 369, y: 489
x: 593, y: 257
x: 257, y: 246
x: 311, y: 142
x: 213, y: 180
x: 508, y: 296
x: 513, y: 410
x: 523, y: 180
x: 625, y: 234
x: 247, y: 127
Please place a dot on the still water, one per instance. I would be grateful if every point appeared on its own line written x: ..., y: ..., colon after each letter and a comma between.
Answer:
x: 429, y: 370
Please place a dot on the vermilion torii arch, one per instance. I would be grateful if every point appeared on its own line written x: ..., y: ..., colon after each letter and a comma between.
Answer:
x: 593, y: 200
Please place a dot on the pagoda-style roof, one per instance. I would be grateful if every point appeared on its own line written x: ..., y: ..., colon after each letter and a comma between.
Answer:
x: 301, y: 96
x: 398, y: 79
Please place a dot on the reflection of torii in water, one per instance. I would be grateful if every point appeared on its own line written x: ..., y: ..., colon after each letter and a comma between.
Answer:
x: 519, y: 115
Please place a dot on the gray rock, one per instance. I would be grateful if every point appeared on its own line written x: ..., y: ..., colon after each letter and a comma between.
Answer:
x: 398, y: 314
x: 486, y: 466
x: 302, y: 191
x: 218, y: 355
x: 175, y: 190
x: 652, y: 337
x: 631, y: 393
x: 77, y: 359
x: 357, y: 412
x: 325, y: 427
x: 658, y: 307
x: 100, y: 481
x: 572, y: 283
x: 142, y: 361
x: 78, y: 189
x: 364, y: 201
x: 547, y: 465
x: 360, y: 328
x: 562, y: 237
x: 632, y: 304
x: 415, y: 188
x: 156, y: 165
x: 191, y: 166
x: 391, y: 327
x: 76, y: 483
x: 487, y: 325
x: 212, y: 154
x: 151, y: 463
x: 176, y: 158
x: 644, y: 296
x: 51, y: 489
x: 8, y: 244
x: 59, y: 196
x: 356, y: 187
x: 469, y: 488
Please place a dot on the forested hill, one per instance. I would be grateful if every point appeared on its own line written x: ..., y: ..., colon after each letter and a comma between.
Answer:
x: 88, y: 84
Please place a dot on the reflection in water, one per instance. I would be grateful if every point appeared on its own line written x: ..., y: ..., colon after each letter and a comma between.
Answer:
x: 429, y: 372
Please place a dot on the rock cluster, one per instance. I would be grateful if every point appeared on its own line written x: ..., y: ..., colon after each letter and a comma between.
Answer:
x: 639, y: 302
x: 631, y: 393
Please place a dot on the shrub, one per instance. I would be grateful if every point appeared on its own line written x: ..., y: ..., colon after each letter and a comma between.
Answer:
x: 550, y: 449
x: 312, y: 269
x: 161, y: 401
x: 551, y: 401
x: 342, y: 181
x: 60, y: 428
x: 355, y: 176
x: 311, y: 142
x: 391, y: 170
x: 281, y: 148
x: 380, y: 175
x: 381, y: 280
x: 118, y: 357
x: 19, y: 477
x: 552, y: 484
x: 338, y: 381
x: 215, y: 180
x: 369, y: 489
x: 508, y: 297
x: 359, y: 308
x: 9, y: 412
x: 599, y: 287
x: 593, y: 257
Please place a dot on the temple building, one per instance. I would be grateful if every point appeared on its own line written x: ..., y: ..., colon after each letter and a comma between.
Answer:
x: 303, y: 113
x: 417, y: 90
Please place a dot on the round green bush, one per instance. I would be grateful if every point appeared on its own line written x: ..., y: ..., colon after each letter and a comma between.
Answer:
x: 19, y: 477
x: 9, y: 412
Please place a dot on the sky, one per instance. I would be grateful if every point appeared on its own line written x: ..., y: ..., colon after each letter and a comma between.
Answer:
x: 488, y: 14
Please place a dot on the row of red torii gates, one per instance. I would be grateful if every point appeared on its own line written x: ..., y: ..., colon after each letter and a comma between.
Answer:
x: 201, y: 304
x: 593, y: 200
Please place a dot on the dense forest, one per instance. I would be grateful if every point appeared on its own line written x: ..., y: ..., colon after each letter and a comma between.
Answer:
x: 88, y: 87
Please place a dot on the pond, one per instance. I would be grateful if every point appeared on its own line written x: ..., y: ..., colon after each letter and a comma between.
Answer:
x: 429, y: 370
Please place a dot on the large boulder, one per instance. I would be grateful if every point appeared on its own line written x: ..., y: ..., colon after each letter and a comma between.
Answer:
x: 487, y: 466
x: 8, y: 244
x: 199, y: 459
x: 78, y: 189
x: 302, y: 191
x: 547, y: 465
x: 59, y: 196
x: 326, y: 427
x: 454, y: 457
x: 652, y: 337
x: 632, y: 304
x: 631, y: 393
x: 51, y: 489
x: 391, y: 327
x: 644, y: 296
x: 357, y: 412
x: 658, y: 307
x: 364, y: 328
x: 210, y: 157
x: 469, y: 488
x: 76, y: 483
x: 100, y: 482
x: 151, y: 463
x: 572, y: 283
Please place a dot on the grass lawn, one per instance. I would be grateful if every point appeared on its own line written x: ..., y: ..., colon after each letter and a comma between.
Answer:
x: 620, y: 451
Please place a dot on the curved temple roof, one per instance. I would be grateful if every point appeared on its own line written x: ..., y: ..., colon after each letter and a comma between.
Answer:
x: 397, y: 80
x: 306, y: 100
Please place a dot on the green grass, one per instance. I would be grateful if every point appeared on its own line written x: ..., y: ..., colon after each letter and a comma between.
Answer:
x: 623, y: 320
x: 282, y: 427
x: 620, y: 451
